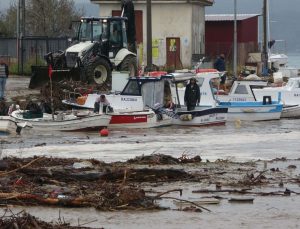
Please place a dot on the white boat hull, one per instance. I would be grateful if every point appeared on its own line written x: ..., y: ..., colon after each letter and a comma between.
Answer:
x: 289, y: 94
x: 252, y: 111
x: 74, y: 123
x: 246, y: 116
x: 119, y: 102
x: 203, y: 117
x: 7, y: 124
x: 291, y: 112
x: 287, y: 97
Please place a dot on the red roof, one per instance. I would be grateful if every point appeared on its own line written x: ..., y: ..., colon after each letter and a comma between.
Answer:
x: 228, y: 17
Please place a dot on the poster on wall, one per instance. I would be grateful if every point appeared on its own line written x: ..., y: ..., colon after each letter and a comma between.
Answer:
x: 155, y: 46
x: 172, y: 47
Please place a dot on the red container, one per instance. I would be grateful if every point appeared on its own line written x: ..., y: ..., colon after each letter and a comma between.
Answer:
x: 157, y: 73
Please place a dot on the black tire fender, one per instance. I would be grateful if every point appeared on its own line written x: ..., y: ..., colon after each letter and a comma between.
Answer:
x: 129, y: 64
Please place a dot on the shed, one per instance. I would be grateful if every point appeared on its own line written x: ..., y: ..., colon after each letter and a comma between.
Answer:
x: 219, y: 35
x: 178, y: 29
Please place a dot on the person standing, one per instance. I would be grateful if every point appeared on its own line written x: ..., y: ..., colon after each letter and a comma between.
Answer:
x: 3, y: 78
x: 221, y: 67
x: 192, y: 94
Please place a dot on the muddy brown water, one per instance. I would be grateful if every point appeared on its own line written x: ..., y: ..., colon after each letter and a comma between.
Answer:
x: 245, y: 142
x: 250, y: 141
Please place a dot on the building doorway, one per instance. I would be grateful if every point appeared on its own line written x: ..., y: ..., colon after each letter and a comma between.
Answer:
x: 173, y: 52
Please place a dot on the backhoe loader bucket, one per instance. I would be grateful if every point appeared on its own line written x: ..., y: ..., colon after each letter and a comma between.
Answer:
x: 39, y: 75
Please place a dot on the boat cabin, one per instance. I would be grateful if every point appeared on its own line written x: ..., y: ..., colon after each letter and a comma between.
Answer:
x: 242, y: 91
x: 153, y: 90
x: 204, y: 81
x: 290, y: 93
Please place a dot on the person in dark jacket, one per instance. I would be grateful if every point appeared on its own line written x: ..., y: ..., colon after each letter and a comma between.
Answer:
x: 221, y: 67
x: 192, y: 94
x: 3, y: 78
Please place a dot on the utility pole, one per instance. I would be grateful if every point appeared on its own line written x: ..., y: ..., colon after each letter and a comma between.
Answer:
x: 20, y: 34
x: 235, y: 40
x: 265, y: 39
x: 149, y: 36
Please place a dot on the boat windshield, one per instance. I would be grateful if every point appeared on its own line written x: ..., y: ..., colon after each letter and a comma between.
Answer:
x: 290, y: 84
x: 153, y: 93
x: 241, y: 89
x: 132, y: 88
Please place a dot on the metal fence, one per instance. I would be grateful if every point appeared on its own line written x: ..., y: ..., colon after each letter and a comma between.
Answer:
x: 32, y: 50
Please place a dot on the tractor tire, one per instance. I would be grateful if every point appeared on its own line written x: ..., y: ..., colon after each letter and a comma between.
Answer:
x: 129, y: 64
x: 98, y: 71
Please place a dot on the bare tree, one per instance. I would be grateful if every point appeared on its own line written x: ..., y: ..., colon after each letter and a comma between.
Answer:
x: 8, y: 21
x: 50, y: 17
x: 43, y: 18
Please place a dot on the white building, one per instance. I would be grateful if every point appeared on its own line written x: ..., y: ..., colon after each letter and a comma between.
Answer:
x: 178, y: 29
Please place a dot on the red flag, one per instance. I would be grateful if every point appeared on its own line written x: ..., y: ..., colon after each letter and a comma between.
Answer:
x: 50, y: 71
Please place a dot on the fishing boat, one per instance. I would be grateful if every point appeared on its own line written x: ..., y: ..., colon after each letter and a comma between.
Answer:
x: 290, y: 96
x: 242, y: 91
x: 78, y: 121
x: 131, y: 107
x: 141, y: 105
x: 201, y: 117
x: 237, y: 110
x: 256, y: 90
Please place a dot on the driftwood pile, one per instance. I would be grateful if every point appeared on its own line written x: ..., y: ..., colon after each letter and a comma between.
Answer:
x: 131, y: 184
x: 68, y: 88
x: 77, y: 183
x: 64, y: 89
x: 26, y: 221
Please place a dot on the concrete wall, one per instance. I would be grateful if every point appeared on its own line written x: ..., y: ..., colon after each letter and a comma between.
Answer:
x: 198, y: 29
x: 186, y: 21
x: 171, y: 21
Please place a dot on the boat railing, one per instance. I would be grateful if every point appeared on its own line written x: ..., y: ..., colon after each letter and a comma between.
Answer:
x: 77, y: 92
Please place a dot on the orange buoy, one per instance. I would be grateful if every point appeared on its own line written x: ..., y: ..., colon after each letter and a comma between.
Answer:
x: 104, y: 132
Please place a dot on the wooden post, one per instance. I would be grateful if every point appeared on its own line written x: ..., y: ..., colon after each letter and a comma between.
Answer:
x: 149, y: 36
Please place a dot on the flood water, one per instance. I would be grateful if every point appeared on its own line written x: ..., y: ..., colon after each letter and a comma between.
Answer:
x: 235, y: 141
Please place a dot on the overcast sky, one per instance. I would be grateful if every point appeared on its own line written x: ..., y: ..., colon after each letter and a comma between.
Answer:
x: 284, y: 17
x: 91, y: 9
